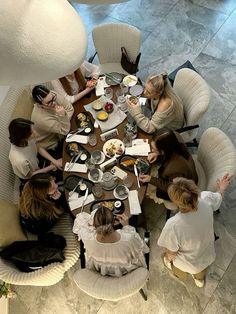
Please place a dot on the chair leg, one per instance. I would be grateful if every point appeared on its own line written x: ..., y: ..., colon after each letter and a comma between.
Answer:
x: 216, y: 237
x: 82, y: 255
x: 168, y: 212
x: 143, y: 294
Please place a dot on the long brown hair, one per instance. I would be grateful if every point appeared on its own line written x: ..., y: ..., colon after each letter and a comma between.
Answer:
x: 103, y: 221
x: 79, y: 78
x: 34, y: 201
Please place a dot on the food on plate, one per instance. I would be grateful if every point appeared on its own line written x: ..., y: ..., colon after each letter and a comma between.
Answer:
x: 83, y: 124
x: 128, y: 162
x: 108, y: 107
x: 81, y: 117
x: 114, y: 148
x: 73, y: 147
x: 107, y: 204
x: 130, y: 80
x: 102, y: 116
x: 97, y: 104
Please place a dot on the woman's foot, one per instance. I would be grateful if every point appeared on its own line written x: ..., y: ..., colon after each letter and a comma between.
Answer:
x: 167, y: 263
x: 199, y: 283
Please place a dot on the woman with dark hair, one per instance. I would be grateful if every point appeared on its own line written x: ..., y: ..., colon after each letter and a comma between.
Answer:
x: 166, y: 107
x: 40, y: 203
x: 174, y: 161
x: 74, y: 86
x: 23, y: 151
x: 109, y: 251
x: 51, y: 116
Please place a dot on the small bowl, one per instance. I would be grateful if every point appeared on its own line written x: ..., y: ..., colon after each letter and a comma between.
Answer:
x: 134, y: 100
x: 97, y: 105
x: 102, y: 116
x: 108, y: 107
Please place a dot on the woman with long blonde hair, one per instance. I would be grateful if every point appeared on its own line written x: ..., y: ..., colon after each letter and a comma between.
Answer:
x: 109, y: 251
x: 39, y: 203
x: 166, y: 107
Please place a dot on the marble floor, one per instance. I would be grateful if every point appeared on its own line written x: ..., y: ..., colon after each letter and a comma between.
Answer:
x: 173, y: 31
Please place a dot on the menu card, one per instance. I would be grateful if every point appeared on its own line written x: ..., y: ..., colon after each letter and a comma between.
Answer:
x: 83, y: 139
x: 76, y: 167
x: 76, y: 202
x: 134, y: 203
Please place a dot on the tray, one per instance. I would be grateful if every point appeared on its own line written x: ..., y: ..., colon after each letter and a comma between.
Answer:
x: 73, y: 148
x: 72, y: 180
x: 114, y: 210
x: 83, y: 120
x: 142, y: 165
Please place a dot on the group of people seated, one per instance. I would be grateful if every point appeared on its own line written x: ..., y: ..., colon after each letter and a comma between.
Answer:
x: 36, y: 158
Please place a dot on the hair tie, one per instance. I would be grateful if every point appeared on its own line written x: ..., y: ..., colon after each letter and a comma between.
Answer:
x: 164, y: 75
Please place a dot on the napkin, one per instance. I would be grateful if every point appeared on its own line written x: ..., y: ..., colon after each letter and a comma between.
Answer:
x: 76, y: 202
x: 134, y: 203
x: 83, y: 139
x: 76, y: 167
x: 138, y: 150
x: 101, y: 84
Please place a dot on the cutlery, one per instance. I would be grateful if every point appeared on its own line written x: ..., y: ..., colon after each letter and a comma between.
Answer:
x: 75, y: 132
x: 85, y: 197
x: 136, y: 173
x: 113, y: 78
x: 71, y: 164
x: 73, y: 191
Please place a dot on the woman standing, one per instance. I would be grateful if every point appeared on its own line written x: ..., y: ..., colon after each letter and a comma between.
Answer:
x: 41, y: 204
x: 74, y: 86
x: 166, y: 107
x: 108, y: 251
x: 189, y: 235
x: 173, y: 159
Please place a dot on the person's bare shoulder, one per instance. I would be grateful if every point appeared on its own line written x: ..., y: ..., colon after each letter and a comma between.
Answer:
x: 164, y: 104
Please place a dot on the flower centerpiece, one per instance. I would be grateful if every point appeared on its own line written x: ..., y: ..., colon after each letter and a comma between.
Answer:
x: 6, y: 291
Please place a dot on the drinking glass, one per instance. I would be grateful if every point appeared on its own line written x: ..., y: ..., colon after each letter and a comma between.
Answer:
x: 124, y: 88
x: 119, y: 93
x: 90, y: 164
x: 108, y: 93
x: 128, y: 181
x: 97, y: 191
x: 121, y: 102
x: 92, y: 139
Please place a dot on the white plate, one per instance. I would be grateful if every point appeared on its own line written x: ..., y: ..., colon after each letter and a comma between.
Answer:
x: 136, y: 90
x: 99, y: 178
x: 117, y: 143
x: 130, y: 80
x: 121, y: 197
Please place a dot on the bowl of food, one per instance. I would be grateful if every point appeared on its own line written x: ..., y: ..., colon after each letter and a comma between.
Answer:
x: 97, y: 104
x: 102, y: 116
x: 108, y: 107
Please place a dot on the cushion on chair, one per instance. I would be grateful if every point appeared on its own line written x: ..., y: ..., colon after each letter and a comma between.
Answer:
x: 202, y: 183
x: 10, y: 228
x: 24, y: 106
x: 110, y: 288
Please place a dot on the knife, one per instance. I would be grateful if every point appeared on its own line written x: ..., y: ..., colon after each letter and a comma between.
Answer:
x: 74, y: 161
x: 85, y: 197
x: 74, y: 132
x: 73, y: 191
x: 136, y: 173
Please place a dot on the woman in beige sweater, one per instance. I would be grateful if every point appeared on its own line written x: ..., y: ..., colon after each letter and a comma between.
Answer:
x: 166, y: 107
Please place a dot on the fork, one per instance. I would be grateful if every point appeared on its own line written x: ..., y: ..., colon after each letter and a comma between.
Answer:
x: 73, y: 161
x: 73, y: 191
x: 75, y: 132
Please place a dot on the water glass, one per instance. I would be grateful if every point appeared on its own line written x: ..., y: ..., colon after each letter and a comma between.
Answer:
x: 119, y: 93
x: 92, y: 139
x: 124, y: 89
x: 108, y: 93
x: 121, y: 102
x: 128, y: 181
x: 90, y: 164
x: 97, y: 191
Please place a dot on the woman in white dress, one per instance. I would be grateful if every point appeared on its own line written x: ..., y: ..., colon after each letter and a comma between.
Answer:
x: 189, y: 235
x: 108, y: 251
x: 74, y: 86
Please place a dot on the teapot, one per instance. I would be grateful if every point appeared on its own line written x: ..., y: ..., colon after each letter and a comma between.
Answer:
x: 108, y: 181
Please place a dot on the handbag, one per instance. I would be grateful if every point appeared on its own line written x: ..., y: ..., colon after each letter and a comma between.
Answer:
x: 127, y: 64
x: 28, y: 256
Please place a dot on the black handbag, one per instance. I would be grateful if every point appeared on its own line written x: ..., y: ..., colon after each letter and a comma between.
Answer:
x: 32, y: 255
x: 127, y: 64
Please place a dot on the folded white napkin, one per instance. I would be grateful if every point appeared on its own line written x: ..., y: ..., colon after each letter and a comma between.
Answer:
x: 138, y: 150
x: 76, y: 167
x: 101, y: 84
x: 83, y: 139
x: 76, y: 202
x: 134, y: 203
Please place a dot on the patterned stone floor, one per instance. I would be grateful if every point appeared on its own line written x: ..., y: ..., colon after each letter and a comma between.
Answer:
x: 173, y: 31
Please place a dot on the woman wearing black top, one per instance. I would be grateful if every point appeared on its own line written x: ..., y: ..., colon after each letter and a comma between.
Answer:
x: 41, y: 203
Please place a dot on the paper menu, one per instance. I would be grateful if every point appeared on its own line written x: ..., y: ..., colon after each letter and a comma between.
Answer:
x: 134, y: 204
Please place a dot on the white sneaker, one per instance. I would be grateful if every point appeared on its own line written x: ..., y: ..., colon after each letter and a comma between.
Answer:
x: 198, y: 283
x: 167, y: 263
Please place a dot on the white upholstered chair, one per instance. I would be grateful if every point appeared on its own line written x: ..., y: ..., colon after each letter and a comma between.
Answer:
x: 215, y: 157
x: 112, y: 288
x: 195, y: 95
x: 108, y: 40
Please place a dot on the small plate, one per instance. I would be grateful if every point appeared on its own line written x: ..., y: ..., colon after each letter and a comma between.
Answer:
x: 118, y: 78
x: 119, y: 195
x: 113, y: 147
x: 72, y: 180
x: 102, y: 116
x: 73, y: 148
x: 130, y: 80
x: 136, y: 90
x: 99, y: 178
x: 83, y: 120
x: 127, y: 162
x: 97, y: 104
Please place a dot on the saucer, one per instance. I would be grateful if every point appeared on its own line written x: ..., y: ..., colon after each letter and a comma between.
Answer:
x: 99, y: 178
x: 136, y: 90
x: 120, y: 197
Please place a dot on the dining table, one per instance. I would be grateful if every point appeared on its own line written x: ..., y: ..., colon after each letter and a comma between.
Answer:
x: 79, y: 107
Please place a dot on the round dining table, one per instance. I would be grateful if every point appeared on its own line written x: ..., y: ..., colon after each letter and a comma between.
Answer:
x: 78, y: 108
